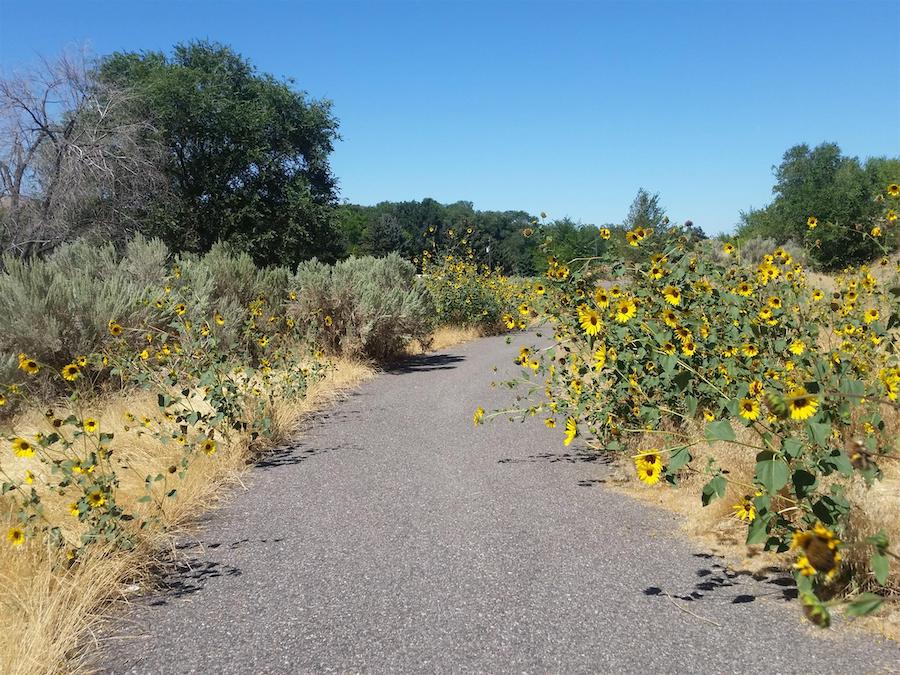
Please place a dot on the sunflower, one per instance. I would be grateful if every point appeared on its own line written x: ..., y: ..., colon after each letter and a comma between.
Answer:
x: 600, y: 357
x: 590, y: 321
x: 615, y: 291
x: 550, y: 423
x: 668, y: 348
x: 605, y: 233
x: 708, y: 415
x: 801, y: 404
x: 683, y: 334
x: 263, y: 341
x: 817, y: 295
x: 656, y: 272
x: 90, y: 425
x: 571, y: 430
x: 625, y: 310
x: 744, y: 289
x: 329, y: 322
x: 22, y: 448
x: 891, y: 215
x: 180, y: 309
x: 871, y: 315
x: 74, y: 509
x: 811, y: 222
x: 29, y: 365
x: 539, y: 289
x: 115, y: 329
x: 688, y: 347
x: 755, y: 388
x: 774, y: 302
x: 601, y: 297
x: 893, y: 190
x: 15, y: 536
x: 71, y: 372
x: 728, y: 249
x: 797, y: 347
x: 875, y: 231
x: 750, y: 350
x: 649, y: 458
x: 745, y: 510
x: 749, y: 408
x: 81, y: 361
x: 672, y: 295
x: 96, y: 499
x: 670, y: 318
x: 820, y: 551
x: 649, y: 473
x: 209, y: 445
x: 219, y: 319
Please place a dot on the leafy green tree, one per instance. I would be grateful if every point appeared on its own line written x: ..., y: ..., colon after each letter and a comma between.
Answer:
x: 568, y: 240
x: 837, y: 190
x: 645, y: 211
x: 247, y: 155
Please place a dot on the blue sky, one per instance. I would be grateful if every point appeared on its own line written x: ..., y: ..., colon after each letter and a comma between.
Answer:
x: 565, y: 107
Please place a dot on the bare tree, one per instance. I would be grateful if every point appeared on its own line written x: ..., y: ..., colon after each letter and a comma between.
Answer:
x: 71, y: 161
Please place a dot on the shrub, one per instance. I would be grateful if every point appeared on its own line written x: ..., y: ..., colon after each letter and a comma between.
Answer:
x: 366, y: 306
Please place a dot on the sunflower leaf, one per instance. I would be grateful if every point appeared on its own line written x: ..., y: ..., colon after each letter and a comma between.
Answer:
x: 678, y: 458
x: 720, y: 431
x: 819, y: 433
x: 773, y: 474
x: 880, y: 566
x: 864, y: 604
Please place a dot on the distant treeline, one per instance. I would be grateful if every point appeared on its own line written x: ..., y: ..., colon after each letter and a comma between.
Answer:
x: 197, y: 146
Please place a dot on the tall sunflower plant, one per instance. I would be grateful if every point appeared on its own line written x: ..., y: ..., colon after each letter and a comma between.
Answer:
x: 757, y: 356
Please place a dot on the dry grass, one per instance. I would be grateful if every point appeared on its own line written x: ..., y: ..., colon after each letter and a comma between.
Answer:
x: 444, y: 337
x: 716, y: 527
x: 47, y: 610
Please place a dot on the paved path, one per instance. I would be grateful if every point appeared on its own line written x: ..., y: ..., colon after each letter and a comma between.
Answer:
x: 395, y: 537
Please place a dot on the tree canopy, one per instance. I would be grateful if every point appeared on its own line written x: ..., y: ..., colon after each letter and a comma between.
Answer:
x: 838, y: 191
x: 247, y: 155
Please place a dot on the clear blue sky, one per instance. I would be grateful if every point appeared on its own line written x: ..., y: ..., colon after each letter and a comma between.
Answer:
x: 566, y: 107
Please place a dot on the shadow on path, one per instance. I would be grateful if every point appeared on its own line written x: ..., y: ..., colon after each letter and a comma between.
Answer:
x: 425, y: 363
x: 716, y: 576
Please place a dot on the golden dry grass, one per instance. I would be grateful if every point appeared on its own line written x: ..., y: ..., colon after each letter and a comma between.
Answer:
x: 46, y: 610
x: 444, y: 337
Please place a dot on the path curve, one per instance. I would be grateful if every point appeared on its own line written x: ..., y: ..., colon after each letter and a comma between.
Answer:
x: 396, y: 537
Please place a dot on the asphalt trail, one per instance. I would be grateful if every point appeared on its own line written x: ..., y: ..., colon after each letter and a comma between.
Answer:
x: 395, y: 537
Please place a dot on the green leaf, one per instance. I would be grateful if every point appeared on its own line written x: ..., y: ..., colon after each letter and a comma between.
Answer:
x: 880, y: 566
x: 720, y: 431
x: 773, y: 474
x: 819, y: 433
x: 791, y: 447
x: 864, y: 604
x: 678, y: 458
x: 758, y: 530
x: 804, y: 482
x: 879, y: 540
x: 714, y: 488
x: 682, y: 380
x: 839, y: 460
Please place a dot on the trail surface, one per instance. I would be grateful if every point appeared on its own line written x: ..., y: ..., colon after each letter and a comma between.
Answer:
x: 394, y: 536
